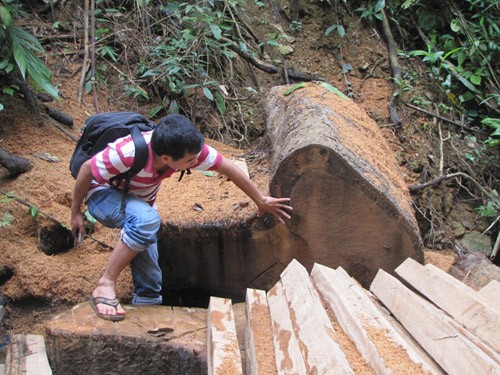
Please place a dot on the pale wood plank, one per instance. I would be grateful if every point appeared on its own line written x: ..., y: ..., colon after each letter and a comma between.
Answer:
x: 259, y: 347
x: 491, y: 292
x: 223, y: 351
x: 463, y: 305
x: 415, y: 350
x: 460, y: 285
x: 26, y: 355
x: 363, y: 323
x: 289, y: 358
x: 322, y: 354
x: 434, y: 330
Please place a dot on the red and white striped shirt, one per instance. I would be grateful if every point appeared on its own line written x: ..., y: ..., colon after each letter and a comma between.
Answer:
x: 118, y: 157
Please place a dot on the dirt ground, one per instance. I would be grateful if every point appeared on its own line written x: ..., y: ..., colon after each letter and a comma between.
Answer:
x: 37, y: 285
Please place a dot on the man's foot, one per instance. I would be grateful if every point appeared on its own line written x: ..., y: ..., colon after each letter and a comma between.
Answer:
x: 114, y: 311
x: 105, y: 303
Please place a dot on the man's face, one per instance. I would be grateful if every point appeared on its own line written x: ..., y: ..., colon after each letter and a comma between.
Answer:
x: 188, y: 161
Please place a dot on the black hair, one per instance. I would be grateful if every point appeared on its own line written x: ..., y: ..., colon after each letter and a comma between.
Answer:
x: 176, y: 136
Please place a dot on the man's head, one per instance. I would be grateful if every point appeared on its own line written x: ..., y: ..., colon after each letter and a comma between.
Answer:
x: 176, y: 136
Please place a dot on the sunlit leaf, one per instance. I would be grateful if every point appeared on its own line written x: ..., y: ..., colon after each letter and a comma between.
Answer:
x: 208, y: 94
x: 379, y: 5
x: 455, y: 25
x: 334, y: 90
x: 293, y: 88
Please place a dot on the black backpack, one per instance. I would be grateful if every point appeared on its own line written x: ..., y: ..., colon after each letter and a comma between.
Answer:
x: 103, y: 128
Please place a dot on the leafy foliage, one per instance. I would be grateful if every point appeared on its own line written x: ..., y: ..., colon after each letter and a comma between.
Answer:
x: 19, y: 51
x: 461, y: 45
x: 186, y: 51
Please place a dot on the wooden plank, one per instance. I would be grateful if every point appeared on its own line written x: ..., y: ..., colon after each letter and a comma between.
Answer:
x: 314, y: 331
x: 491, y: 291
x: 289, y: 358
x: 26, y: 355
x: 434, y: 330
x: 375, y: 338
x: 414, y: 349
x: 222, y: 343
x: 459, y: 285
x: 259, y: 346
x: 464, y: 306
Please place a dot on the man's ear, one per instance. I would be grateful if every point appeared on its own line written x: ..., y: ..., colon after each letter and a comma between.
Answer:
x: 166, y: 158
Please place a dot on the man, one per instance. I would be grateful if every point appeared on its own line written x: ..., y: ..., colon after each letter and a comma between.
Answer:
x: 174, y: 145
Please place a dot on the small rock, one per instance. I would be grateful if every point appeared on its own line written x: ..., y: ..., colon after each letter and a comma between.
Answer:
x: 476, y: 242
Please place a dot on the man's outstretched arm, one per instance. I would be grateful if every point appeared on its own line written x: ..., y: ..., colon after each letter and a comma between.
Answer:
x: 266, y: 204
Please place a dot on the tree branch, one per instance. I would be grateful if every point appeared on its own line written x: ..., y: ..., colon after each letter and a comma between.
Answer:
x: 415, y: 188
x: 396, y: 70
x: 445, y: 119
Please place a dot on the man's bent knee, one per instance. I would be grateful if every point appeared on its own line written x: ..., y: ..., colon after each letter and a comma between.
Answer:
x: 140, y: 230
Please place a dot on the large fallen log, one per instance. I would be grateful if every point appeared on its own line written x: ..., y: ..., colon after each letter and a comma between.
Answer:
x: 351, y: 205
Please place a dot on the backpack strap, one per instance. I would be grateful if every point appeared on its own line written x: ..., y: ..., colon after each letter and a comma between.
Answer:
x: 184, y: 171
x: 140, y: 159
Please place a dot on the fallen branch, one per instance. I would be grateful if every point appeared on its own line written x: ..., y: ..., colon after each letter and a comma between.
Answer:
x: 86, y: 51
x: 396, y: 70
x: 495, y: 248
x: 265, y: 67
x: 14, y: 164
x: 415, y: 188
x: 63, y: 130
x: 92, y: 54
x: 445, y: 119
x: 59, y: 116
x: 268, y: 68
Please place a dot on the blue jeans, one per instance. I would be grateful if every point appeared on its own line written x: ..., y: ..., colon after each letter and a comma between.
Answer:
x: 139, y: 224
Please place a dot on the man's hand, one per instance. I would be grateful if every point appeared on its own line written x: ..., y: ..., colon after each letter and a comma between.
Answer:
x: 275, y: 206
x: 77, y: 224
x: 82, y: 185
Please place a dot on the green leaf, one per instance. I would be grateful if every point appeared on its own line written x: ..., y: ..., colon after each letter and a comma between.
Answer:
x: 408, y: 3
x: 208, y: 94
x: 455, y: 25
x: 1, y: 107
x: 216, y: 31
x: 334, y: 90
x: 379, y: 5
x: 467, y: 84
x: 492, y: 123
x: 330, y: 29
x: 33, y: 211
x: 293, y: 88
x: 6, y: 220
x: 24, y: 47
x: 5, y: 17
x: 341, y: 31
x: 475, y: 79
x: 221, y: 103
